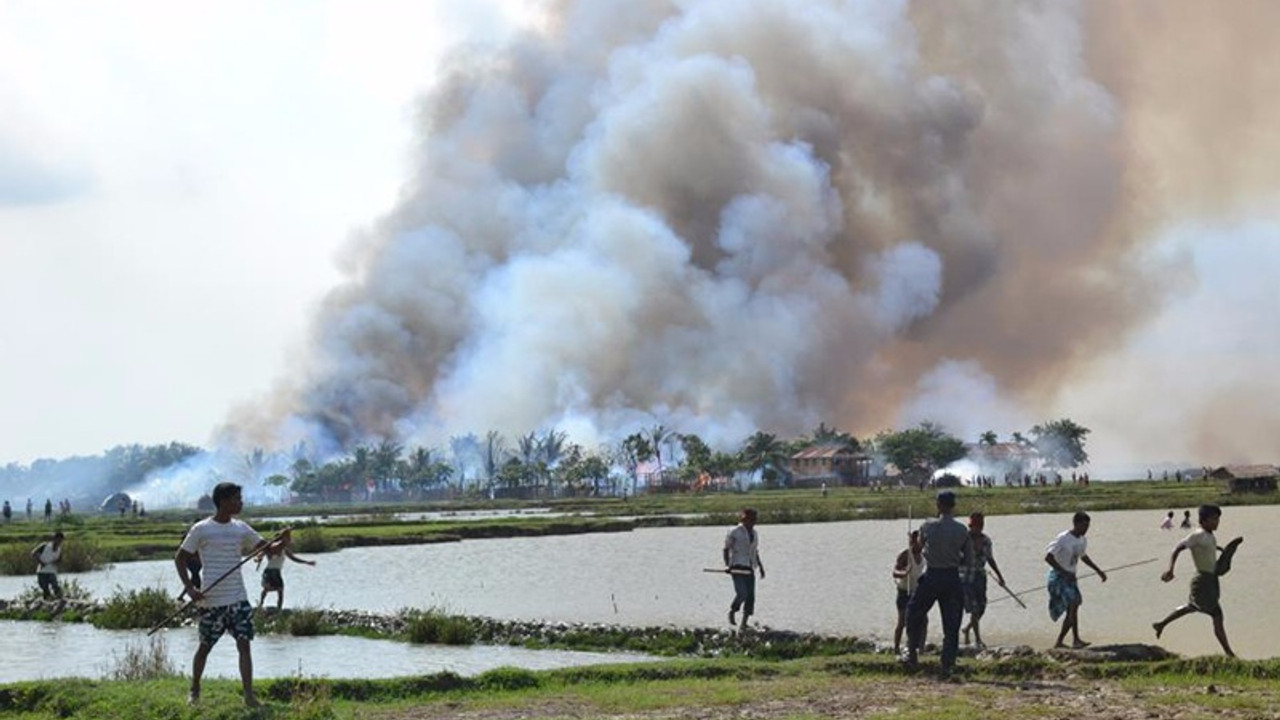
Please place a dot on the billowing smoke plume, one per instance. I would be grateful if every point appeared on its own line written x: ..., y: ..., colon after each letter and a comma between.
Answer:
x: 730, y: 216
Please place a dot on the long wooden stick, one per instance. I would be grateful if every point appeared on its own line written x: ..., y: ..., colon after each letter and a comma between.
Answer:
x: 187, y: 606
x: 730, y: 571
x: 1010, y: 592
x: 1079, y: 577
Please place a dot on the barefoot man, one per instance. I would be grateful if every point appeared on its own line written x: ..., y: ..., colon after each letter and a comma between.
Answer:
x: 1063, y: 556
x: 1205, y: 590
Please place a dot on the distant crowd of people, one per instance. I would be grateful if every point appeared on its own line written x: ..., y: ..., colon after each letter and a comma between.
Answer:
x: 64, y: 509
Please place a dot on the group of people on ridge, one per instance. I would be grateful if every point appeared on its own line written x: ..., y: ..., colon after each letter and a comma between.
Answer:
x: 946, y: 563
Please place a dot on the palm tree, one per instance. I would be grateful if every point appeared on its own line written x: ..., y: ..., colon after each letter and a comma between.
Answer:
x: 988, y: 438
x: 764, y: 453
x: 658, y: 435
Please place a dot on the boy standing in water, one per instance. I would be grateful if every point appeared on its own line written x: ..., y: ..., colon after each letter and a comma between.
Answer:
x: 1063, y: 556
x: 221, y: 541
x: 741, y: 559
x: 1205, y: 590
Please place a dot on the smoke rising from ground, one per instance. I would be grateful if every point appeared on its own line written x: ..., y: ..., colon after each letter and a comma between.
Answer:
x: 730, y: 216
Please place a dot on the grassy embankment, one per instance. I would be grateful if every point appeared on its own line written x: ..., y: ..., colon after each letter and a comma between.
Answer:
x: 850, y: 686
x: 94, y: 540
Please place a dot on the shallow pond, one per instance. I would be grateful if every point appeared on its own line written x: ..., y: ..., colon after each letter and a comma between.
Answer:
x: 826, y: 577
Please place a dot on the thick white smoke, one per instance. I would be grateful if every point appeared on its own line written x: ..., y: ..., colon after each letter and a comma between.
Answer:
x: 730, y: 216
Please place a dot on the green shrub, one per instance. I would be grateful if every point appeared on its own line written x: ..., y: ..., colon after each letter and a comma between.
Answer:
x: 306, y: 623
x: 71, y: 590
x: 508, y: 678
x: 148, y: 661
x: 312, y: 539
x: 433, y: 626
x: 127, y: 609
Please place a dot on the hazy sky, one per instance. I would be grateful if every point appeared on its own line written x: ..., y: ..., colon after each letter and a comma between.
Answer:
x: 177, y: 187
x: 175, y: 182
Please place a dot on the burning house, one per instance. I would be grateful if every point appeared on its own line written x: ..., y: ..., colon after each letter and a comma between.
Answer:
x: 1003, y: 461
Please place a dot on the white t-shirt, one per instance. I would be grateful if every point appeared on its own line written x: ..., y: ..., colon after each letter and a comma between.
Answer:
x: 742, y: 546
x: 1204, y: 550
x: 221, y: 546
x: 1067, y: 549
x: 48, y: 558
x: 275, y: 562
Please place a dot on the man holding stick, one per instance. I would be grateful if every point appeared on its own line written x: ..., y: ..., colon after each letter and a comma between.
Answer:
x: 221, y: 541
x: 741, y: 559
x: 1063, y: 555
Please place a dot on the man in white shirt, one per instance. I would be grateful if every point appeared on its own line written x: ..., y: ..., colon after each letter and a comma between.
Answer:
x: 741, y: 559
x: 1205, y: 590
x: 47, y: 555
x: 221, y: 541
x: 1063, y: 556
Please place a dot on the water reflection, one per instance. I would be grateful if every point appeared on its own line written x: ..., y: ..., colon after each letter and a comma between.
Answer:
x: 828, y: 577
x: 36, y: 651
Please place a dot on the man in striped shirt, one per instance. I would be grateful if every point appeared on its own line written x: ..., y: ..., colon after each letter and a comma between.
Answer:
x: 221, y: 541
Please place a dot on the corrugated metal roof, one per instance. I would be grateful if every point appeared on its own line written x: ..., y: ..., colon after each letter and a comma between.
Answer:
x: 1246, y: 471
x: 826, y: 451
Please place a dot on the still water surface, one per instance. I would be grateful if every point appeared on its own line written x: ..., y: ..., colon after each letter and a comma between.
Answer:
x: 825, y: 577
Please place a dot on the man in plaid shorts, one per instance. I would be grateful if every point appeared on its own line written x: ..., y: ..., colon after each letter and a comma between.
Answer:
x: 221, y: 541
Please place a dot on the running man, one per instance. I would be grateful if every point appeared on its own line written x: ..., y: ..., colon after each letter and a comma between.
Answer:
x: 741, y: 559
x: 1063, y: 556
x: 907, y: 570
x: 272, y: 577
x: 974, y: 578
x: 1205, y: 589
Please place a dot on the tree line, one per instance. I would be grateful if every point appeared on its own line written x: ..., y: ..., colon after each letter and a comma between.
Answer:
x: 541, y: 463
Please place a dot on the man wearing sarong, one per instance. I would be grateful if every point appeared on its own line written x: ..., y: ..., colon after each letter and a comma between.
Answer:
x: 741, y: 560
x: 947, y: 548
x: 1063, y: 556
x: 1205, y: 590
x: 974, y: 578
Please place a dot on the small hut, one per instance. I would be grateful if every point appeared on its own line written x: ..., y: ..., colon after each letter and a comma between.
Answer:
x: 1248, y: 478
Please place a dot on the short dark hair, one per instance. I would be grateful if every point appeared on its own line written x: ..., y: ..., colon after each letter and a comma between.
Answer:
x: 946, y: 498
x: 977, y: 515
x: 58, y: 535
x: 223, y: 491
x: 1209, y: 511
x: 1080, y: 517
x: 750, y: 512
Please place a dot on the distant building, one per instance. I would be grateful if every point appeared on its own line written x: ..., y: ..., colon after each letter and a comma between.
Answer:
x: 1248, y: 478
x: 831, y: 464
x: 1005, y: 458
